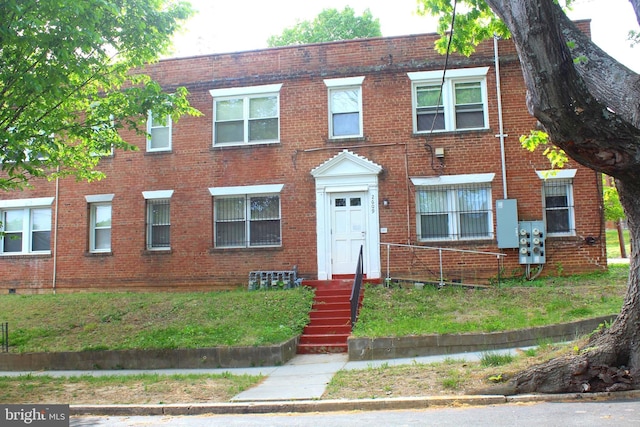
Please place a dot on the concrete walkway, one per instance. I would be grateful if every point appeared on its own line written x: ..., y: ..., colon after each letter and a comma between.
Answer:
x: 305, y: 377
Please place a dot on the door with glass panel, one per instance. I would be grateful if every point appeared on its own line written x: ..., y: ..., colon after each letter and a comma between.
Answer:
x: 348, y: 231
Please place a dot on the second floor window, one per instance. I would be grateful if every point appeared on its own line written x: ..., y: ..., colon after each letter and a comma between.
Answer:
x: 159, y: 133
x: 458, y: 103
x: 345, y: 107
x: 248, y: 115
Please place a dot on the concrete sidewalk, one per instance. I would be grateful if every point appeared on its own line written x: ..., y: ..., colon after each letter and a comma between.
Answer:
x: 305, y: 377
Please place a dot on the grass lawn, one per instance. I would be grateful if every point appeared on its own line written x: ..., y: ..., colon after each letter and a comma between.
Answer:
x: 613, y: 243
x: 119, y: 321
x: 516, y: 304
x: 170, y: 320
x: 124, y: 389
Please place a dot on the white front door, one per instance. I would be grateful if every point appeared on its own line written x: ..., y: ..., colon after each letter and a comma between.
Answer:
x: 348, y: 231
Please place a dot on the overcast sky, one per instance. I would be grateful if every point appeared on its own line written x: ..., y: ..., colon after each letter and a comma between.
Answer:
x: 232, y: 26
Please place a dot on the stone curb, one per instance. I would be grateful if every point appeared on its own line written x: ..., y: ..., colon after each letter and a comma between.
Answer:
x: 306, y: 406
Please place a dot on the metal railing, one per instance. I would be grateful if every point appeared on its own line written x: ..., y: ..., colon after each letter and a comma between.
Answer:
x: 4, y: 336
x: 355, y: 291
x: 475, y: 259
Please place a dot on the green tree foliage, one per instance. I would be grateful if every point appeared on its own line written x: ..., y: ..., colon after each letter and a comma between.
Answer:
x: 329, y: 25
x: 613, y: 210
x: 67, y: 85
x: 474, y: 22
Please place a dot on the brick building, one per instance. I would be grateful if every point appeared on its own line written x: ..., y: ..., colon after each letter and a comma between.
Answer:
x: 302, y: 155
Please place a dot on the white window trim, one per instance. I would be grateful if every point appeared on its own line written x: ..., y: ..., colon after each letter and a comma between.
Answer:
x: 557, y: 174
x: 344, y: 84
x: 245, y: 92
x: 473, y: 178
x: 26, y: 205
x: 551, y: 174
x: 455, y: 180
x: 92, y: 226
x: 169, y: 124
x: 99, y: 198
x: 451, y: 77
x: 246, y: 189
x: 154, y: 195
x: 158, y: 194
x: 345, y: 81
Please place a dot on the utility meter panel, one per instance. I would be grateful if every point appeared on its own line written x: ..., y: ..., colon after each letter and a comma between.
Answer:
x: 531, y: 247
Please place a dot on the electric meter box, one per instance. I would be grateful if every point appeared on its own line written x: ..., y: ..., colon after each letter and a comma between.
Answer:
x: 507, y: 223
x: 531, y: 244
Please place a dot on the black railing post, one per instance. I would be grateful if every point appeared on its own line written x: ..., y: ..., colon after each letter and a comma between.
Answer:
x: 5, y: 336
x: 355, y: 290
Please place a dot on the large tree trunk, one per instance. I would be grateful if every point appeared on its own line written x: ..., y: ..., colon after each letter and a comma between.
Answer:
x: 591, y: 109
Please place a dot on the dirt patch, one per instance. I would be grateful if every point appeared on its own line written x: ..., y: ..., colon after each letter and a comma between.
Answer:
x: 160, y: 390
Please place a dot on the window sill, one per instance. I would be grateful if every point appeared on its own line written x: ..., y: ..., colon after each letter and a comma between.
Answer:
x: 157, y: 252
x: 244, y: 145
x: 346, y: 139
x: 459, y: 133
x: 463, y: 242
x: 24, y: 256
x: 246, y: 249
x: 158, y: 152
x: 98, y: 254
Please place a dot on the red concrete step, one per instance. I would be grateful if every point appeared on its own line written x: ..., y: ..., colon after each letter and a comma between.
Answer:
x: 330, y: 324
x: 327, y: 329
x: 324, y: 339
x: 331, y: 306
x: 331, y: 321
x: 322, y: 348
x: 331, y: 298
x: 324, y: 314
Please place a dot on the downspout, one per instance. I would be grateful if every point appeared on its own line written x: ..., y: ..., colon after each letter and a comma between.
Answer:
x: 55, y: 235
x: 501, y: 135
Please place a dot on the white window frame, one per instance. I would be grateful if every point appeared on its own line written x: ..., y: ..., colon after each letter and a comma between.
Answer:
x: 451, y: 78
x: 343, y: 84
x: 246, y: 94
x: 247, y: 192
x: 94, y: 202
x: 27, y: 206
x: 450, y: 184
x: 150, y: 127
x: 567, y: 176
x: 151, y: 197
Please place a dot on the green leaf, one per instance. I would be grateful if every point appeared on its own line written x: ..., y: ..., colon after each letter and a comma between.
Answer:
x: 63, y: 67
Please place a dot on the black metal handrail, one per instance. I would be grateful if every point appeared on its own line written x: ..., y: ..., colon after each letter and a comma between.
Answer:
x: 355, y: 291
x: 4, y: 336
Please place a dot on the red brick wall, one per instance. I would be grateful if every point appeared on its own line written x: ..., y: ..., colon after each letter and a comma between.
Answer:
x: 193, y: 166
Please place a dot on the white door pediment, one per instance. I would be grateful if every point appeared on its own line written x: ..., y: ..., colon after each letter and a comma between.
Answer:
x: 346, y: 163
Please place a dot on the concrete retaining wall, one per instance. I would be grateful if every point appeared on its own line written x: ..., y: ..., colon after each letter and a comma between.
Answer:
x: 429, y: 345
x: 217, y: 357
